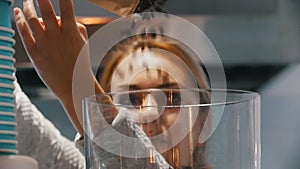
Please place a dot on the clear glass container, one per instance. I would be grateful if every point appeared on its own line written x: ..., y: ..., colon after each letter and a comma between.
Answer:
x: 173, y: 128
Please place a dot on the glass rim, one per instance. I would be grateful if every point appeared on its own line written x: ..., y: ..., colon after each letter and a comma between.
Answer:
x: 251, y: 95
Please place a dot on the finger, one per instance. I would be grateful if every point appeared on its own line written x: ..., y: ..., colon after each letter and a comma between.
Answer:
x: 83, y: 31
x: 67, y: 14
x: 32, y: 19
x: 28, y: 4
x: 41, y: 22
x: 24, y: 32
x: 48, y: 14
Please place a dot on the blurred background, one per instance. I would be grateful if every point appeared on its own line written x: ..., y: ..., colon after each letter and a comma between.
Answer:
x: 259, y: 45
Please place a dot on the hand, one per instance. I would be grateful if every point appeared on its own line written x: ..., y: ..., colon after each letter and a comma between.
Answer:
x: 53, y: 45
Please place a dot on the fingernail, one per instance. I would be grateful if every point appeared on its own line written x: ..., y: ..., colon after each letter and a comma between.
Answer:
x: 16, y: 11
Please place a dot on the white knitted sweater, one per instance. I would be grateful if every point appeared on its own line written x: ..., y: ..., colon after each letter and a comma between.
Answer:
x: 39, y: 139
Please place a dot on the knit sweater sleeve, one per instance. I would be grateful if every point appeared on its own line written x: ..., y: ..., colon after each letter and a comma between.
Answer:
x: 38, y: 138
